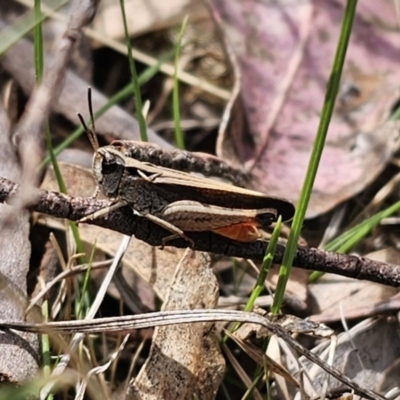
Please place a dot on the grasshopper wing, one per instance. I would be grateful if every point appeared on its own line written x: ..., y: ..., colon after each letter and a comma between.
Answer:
x: 175, y: 183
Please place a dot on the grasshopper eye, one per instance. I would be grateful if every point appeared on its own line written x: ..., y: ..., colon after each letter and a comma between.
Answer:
x: 108, y: 169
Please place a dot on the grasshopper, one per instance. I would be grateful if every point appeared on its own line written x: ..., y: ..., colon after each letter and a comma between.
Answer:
x: 178, y: 201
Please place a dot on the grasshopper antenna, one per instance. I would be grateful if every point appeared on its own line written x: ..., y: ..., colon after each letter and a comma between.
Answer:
x: 90, y: 131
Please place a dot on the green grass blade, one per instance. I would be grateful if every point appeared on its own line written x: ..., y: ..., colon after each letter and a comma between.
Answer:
x: 134, y: 77
x: 23, y: 25
x: 180, y: 143
x: 38, y: 41
x: 345, y: 242
x: 24, y: 390
x: 38, y: 63
x: 262, y: 276
x: 39, y: 66
x: 84, y: 298
x: 265, y: 267
x: 326, y: 114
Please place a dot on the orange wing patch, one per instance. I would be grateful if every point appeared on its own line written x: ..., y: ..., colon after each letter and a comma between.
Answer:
x: 244, y: 232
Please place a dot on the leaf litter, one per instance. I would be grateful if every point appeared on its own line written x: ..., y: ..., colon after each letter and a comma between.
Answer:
x: 287, y: 77
x: 283, y: 52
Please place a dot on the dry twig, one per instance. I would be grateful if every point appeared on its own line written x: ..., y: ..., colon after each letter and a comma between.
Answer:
x: 124, y: 221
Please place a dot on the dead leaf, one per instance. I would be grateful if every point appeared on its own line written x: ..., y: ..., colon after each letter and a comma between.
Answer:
x: 363, y: 354
x: 116, y: 122
x: 261, y: 358
x: 296, y: 293
x: 19, y: 351
x: 145, y: 16
x: 390, y: 379
x: 339, y: 297
x: 284, y: 53
x: 184, y: 359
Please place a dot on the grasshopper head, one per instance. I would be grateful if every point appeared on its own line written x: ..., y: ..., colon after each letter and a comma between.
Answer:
x: 108, y: 169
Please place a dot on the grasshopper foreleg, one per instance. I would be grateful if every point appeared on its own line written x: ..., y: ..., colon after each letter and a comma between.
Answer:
x: 103, y: 211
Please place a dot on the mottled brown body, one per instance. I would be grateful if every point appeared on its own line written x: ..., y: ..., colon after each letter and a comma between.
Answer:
x: 182, y: 202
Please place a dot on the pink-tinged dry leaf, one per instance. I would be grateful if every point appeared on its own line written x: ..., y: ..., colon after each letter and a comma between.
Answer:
x: 184, y: 360
x: 284, y: 51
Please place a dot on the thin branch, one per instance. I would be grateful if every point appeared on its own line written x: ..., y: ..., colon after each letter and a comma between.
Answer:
x: 123, y: 220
